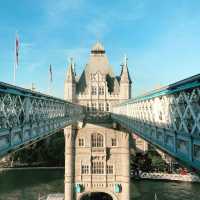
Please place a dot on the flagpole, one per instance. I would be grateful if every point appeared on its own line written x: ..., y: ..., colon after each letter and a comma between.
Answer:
x: 50, y: 80
x: 16, y: 54
x: 14, y: 64
x: 14, y: 75
x: 49, y: 87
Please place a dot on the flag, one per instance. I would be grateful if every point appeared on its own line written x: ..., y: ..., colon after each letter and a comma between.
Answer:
x: 50, y: 73
x: 17, y: 50
x: 16, y: 57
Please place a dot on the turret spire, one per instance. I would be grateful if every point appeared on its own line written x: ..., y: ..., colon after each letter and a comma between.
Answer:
x: 125, y: 77
x: 125, y: 60
x: 70, y: 77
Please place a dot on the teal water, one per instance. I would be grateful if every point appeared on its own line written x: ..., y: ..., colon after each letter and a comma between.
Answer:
x: 27, y: 184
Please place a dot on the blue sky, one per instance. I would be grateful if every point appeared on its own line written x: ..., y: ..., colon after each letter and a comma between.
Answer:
x: 160, y: 38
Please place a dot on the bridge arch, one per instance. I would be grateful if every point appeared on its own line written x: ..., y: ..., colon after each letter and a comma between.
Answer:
x: 95, y: 195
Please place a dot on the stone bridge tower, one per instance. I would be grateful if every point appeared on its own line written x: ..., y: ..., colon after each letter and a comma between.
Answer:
x: 97, y: 154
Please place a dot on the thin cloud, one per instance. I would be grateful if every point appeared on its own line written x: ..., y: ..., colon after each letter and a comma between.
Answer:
x: 101, y: 23
x: 98, y: 28
x: 26, y: 45
x: 58, y: 10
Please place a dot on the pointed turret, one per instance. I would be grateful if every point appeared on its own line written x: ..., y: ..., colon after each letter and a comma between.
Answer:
x: 125, y: 81
x: 70, y: 76
x: 70, y: 82
x: 125, y: 77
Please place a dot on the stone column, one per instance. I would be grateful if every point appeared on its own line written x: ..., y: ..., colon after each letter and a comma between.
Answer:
x: 68, y: 183
x: 125, y: 162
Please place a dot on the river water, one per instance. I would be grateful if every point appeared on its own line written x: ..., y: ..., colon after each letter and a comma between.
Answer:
x: 27, y: 184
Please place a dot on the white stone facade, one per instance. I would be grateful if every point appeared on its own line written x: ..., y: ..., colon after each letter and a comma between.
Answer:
x: 97, y: 155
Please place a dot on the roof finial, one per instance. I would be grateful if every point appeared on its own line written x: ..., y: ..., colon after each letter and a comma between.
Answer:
x: 98, y: 48
x: 72, y: 63
x: 71, y: 60
x: 125, y: 60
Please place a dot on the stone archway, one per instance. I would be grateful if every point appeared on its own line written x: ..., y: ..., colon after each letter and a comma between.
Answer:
x: 96, y: 196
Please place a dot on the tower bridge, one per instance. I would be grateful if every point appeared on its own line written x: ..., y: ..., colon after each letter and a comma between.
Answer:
x: 98, y: 116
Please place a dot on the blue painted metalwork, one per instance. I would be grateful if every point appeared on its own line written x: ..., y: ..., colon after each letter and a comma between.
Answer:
x: 117, y: 188
x: 78, y: 188
x: 168, y: 118
x: 27, y: 116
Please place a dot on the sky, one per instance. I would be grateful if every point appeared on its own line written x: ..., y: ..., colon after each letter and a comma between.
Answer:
x: 160, y: 38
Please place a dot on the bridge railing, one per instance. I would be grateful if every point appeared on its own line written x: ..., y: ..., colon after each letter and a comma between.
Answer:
x: 168, y: 117
x: 26, y: 116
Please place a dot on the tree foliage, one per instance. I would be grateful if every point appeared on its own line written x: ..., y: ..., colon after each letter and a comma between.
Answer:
x: 47, y: 152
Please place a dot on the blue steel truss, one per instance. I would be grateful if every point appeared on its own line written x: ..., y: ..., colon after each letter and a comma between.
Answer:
x: 27, y: 116
x: 168, y: 118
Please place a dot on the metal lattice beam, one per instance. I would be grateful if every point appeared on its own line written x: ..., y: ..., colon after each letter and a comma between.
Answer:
x: 27, y: 116
x: 168, y: 117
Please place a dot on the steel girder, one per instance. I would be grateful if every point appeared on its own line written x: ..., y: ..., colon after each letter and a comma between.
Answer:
x: 27, y: 116
x: 168, y: 118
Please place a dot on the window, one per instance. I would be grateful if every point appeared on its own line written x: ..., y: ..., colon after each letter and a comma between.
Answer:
x: 107, y: 107
x: 85, y: 169
x: 97, y: 140
x: 93, y: 90
x: 97, y: 167
x: 101, y: 90
x: 94, y: 107
x: 114, y: 142
x: 101, y: 107
x: 88, y: 107
x: 93, y: 77
x: 160, y: 116
x: 109, y: 169
x: 81, y: 142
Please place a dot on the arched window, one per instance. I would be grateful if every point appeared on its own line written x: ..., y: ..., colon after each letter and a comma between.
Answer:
x: 97, y: 140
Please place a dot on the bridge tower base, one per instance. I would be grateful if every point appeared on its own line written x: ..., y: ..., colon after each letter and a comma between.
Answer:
x: 69, y: 163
